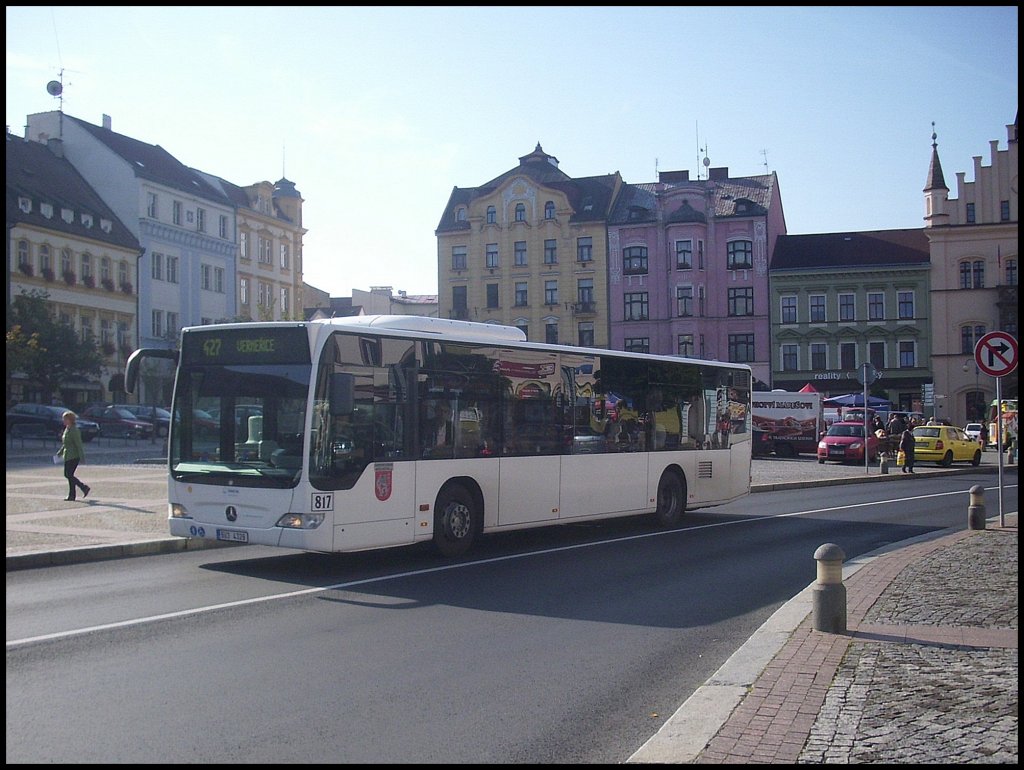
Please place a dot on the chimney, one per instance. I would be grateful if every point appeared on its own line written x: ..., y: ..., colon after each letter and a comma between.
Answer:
x: 56, y: 146
x: 107, y: 122
x: 718, y: 174
x: 674, y: 176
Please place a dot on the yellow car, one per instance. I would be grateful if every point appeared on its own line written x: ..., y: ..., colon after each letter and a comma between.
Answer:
x: 945, y: 445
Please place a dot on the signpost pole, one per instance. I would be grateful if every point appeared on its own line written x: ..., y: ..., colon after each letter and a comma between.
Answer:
x: 999, y: 445
x: 996, y: 355
x: 866, y: 380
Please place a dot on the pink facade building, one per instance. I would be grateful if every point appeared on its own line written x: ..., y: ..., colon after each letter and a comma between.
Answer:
x: 688, y: 266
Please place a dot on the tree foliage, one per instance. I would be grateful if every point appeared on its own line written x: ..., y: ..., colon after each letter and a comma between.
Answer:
x: 45, y: 350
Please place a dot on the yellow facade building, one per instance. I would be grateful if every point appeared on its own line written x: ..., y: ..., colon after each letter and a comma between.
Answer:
x: 530, y: 249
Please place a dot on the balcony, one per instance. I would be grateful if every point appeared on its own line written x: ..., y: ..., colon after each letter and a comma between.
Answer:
x: 585, y: 308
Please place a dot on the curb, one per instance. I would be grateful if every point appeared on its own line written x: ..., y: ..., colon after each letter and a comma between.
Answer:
x: 91, y: 553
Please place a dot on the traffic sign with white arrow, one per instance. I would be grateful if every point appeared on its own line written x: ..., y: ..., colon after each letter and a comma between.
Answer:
x: 996, y: 354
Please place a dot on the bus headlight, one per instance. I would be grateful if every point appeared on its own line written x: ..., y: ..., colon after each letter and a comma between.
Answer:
x: 301, y: 520
x: 178, y: 511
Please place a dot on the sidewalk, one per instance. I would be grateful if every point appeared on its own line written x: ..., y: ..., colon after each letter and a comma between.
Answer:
x: 926, y: 673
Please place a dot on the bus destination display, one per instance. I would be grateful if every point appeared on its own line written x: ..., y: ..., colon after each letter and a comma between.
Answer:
x: 245, y: 346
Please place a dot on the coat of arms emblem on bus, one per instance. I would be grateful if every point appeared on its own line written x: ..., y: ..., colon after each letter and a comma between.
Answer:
x: 382, y: 480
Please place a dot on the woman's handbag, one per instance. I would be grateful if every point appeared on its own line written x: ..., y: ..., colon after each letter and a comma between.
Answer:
x: 901, y: 458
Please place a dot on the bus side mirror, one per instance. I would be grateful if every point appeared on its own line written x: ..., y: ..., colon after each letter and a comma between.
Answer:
x: 342, y: 393
x: 131, y: 368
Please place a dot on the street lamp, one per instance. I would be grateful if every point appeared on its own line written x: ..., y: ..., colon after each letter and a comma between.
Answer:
x: 977, y: 372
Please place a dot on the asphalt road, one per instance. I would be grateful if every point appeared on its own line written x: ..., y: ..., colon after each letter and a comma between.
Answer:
x: 569, y: 644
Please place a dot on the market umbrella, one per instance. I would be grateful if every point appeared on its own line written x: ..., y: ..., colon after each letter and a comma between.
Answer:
x: 808, y: 388
x: 857, y: 399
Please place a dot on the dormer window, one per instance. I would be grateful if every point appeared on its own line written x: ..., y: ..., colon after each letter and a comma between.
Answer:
x: 87, y: 219
x: 25, y: 204
x: 46, y: 209
x: 460, y: 214
x: 588, y: 203
x: 106, y: 225
x: 67, y: 215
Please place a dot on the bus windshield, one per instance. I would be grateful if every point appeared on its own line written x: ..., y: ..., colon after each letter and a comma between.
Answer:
x: 239, y: 411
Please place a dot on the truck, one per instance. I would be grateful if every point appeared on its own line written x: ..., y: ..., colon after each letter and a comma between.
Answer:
x: 786, y: 424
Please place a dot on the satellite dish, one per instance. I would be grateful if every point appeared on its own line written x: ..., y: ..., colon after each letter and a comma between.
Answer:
x: 707, y: 161
x: 54, y: 88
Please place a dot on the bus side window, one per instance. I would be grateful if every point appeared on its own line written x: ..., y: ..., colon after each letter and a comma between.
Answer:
x: 437, y: 430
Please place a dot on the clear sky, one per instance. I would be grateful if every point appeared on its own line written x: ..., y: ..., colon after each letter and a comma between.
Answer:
x: 377, y: 113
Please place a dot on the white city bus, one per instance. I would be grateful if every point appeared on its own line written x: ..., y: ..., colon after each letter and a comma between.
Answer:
x: 367, y: 432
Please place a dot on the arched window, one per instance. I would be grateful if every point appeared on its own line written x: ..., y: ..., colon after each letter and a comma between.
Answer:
x: 45, y: 262
x: 520, y: 212
x: 492, y: 215
x: 969, y: 336
x: 549, y: 210
x: 972, y: 274
x: 23, y: 256
x: 65, y: 261
x: 460, y: 214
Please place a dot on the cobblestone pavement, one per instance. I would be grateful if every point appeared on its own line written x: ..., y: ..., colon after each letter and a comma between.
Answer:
x: 905, y: 701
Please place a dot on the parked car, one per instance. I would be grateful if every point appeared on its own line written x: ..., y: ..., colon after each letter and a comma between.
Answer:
x: 945, y: 445
x: 115, y: 421
x: 845, y: 442
x: 52, y: 417
x: 242, y: 414
x: 973, y: 430
x: 203, y: 423
x: 156, y: 416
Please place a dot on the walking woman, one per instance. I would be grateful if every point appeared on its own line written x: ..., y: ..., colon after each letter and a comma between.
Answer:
x: 907, y: 445
x: 73, y: 452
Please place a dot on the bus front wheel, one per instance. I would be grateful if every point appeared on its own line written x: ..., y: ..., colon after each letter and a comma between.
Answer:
x: 456, y: 520
x: 671, y: 499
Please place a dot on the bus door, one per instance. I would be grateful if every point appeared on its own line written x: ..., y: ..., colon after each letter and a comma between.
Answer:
x: 529, y: 466
x: 606, y: 471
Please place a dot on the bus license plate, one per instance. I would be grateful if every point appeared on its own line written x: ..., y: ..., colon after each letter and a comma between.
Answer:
x: 233, y: 535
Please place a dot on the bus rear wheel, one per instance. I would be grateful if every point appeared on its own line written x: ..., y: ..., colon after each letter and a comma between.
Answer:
x: 456, y: 521
x: 671, y: 499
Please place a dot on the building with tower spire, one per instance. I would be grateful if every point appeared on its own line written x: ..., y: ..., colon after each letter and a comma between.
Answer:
x: 973, y: 247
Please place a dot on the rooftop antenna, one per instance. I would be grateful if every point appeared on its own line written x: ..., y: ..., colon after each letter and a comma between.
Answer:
x: 696, y: 136
x: 706, y: 162
x: 655, y: 169
x: 764, y: 152
x: 55, y: 88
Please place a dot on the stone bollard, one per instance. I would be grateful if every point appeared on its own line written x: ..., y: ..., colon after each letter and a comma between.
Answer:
x: 976, y: 510
x: 883, y: 465
x: 828, y: 596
